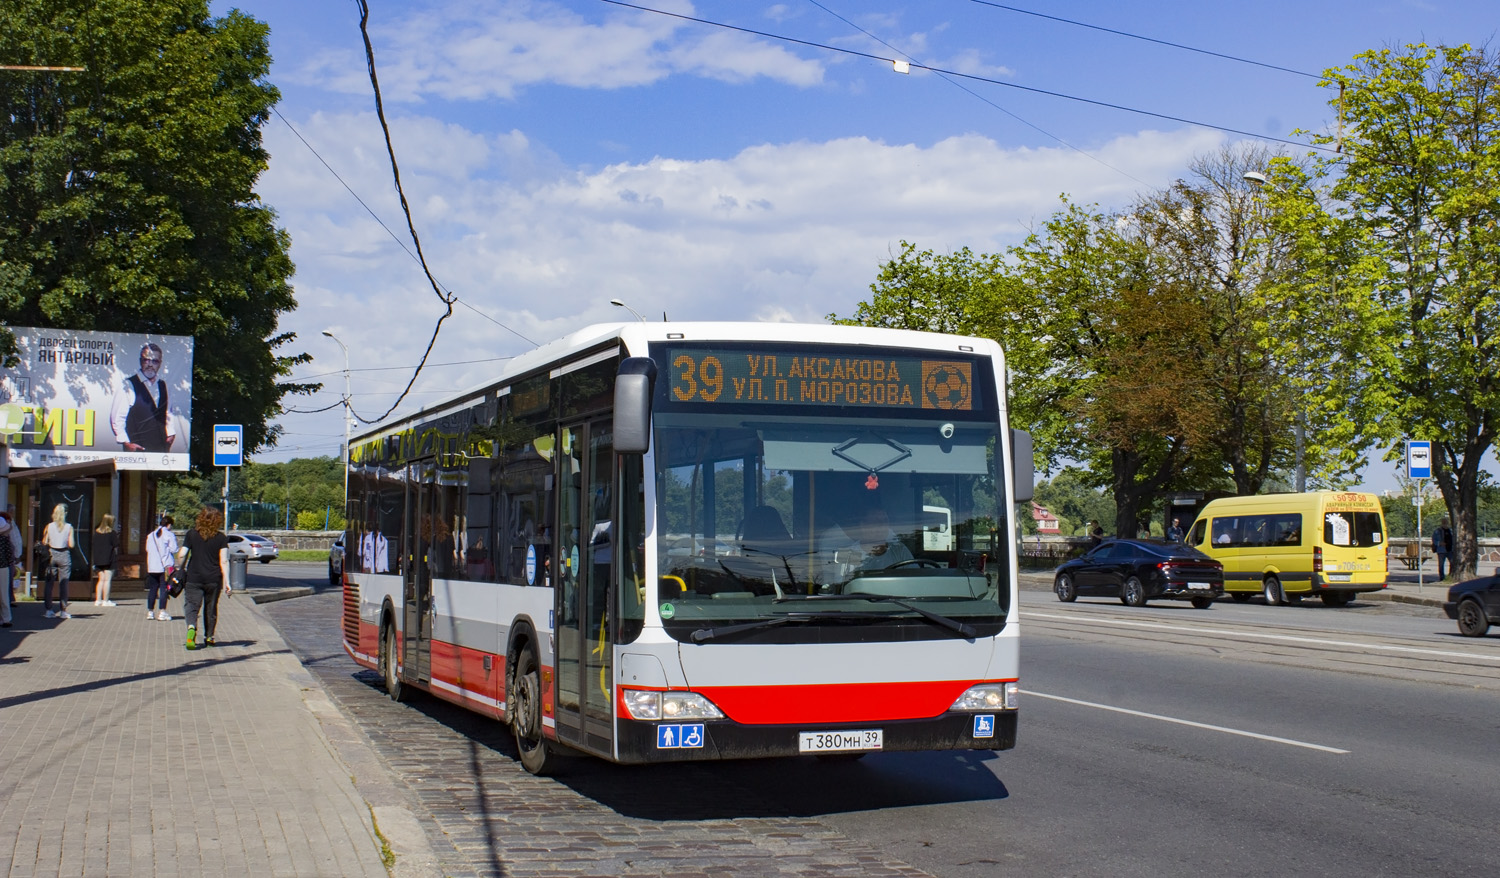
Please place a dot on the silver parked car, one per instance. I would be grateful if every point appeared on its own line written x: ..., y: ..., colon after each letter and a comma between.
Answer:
x: 242, y: 545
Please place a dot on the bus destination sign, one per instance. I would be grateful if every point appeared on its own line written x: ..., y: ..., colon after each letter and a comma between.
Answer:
x: 798, y: 377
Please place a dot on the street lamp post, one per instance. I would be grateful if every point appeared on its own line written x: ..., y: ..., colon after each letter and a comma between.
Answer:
x: 348, y: 414
x: 619, y: 304
x: 1259, y: 181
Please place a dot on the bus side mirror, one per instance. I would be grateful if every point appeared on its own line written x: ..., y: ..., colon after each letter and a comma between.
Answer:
x: 634, y: 386
x: 1022, y: 467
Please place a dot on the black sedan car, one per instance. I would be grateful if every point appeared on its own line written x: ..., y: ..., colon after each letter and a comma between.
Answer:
x: 1475, y: 604
x: 1136, y: 571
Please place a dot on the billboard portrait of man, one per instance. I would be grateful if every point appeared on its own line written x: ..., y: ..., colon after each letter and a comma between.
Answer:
x: 139, y: 413
x: 77, y: 396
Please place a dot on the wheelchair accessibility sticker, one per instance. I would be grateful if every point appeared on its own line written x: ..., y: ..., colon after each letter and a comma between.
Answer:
x: 679, y: 737
x: 984, y: 726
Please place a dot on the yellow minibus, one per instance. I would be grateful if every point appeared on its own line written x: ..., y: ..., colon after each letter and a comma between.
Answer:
x: 1289, y: 546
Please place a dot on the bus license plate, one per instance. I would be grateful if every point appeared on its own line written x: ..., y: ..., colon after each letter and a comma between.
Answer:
x: 831, y: 742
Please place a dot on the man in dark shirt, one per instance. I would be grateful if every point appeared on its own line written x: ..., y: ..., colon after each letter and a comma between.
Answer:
x: 1442, y: 547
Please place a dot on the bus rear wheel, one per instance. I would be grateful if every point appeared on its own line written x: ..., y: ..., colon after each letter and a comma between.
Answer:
x: 525, y: 706
x: 1271, y: 588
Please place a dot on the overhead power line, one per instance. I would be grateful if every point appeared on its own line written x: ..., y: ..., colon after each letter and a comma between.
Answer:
x: 1121, y: 33
x: 445, y: 298
x: 974, y: 77
x: 974, y: 94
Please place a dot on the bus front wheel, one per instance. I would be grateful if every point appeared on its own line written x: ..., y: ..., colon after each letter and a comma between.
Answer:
x: 526, y: 715
x: 388, y: 670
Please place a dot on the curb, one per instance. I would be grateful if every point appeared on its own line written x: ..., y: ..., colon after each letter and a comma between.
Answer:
x: 393, y: 821
x: 279, y: 594
x: 1395, y: 598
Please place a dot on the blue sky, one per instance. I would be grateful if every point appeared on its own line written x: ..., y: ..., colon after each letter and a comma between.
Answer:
x: 561, y: 154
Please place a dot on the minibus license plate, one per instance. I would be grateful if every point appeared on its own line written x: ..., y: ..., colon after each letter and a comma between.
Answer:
x: 830, y: 742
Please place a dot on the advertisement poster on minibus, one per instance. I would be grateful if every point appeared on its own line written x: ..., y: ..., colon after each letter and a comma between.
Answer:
x: 83, y: 396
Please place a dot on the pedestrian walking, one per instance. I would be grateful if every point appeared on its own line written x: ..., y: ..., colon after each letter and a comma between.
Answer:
x: 18, y: 554
x: 7, y: 565
x: 106, y: 549
x: 57, y: 536
x: 161, y: 549
x: 1442, y: 546
x: 205, y: 553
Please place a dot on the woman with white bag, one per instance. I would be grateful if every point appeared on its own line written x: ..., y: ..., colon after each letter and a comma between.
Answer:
x: 161, y: 546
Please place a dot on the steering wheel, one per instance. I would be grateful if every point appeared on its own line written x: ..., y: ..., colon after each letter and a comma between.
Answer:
x: 915, y: 562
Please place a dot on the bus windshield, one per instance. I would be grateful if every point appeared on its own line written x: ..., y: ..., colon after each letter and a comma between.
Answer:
x: 828, y: 528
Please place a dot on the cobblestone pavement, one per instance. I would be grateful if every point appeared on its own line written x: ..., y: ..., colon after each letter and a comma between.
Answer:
x: 125, y: 754
x: 491, y: 818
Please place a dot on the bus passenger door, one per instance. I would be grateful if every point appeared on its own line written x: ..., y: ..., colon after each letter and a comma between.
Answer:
x: 585, y: 626
x: 417, y: 574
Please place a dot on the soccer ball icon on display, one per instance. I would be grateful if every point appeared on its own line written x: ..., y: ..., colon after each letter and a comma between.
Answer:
x: 946, y: 386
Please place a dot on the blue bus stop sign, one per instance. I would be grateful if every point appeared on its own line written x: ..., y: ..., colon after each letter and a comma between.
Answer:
x: 1418, y: 459
x: 229, y: 445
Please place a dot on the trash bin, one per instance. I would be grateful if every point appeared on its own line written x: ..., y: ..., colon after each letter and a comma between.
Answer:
x: 238, y: 565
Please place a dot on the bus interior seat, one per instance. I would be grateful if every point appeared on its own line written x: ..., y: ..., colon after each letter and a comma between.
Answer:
x: 762, y: 524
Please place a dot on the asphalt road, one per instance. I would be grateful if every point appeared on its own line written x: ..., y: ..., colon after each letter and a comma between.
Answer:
x: 1239, y: 740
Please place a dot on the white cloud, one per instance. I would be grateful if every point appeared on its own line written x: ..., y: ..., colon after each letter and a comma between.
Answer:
x: 778, y: 232
x: 480, y: 50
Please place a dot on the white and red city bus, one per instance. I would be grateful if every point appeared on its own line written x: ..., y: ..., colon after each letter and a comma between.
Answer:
x: 694, y: 541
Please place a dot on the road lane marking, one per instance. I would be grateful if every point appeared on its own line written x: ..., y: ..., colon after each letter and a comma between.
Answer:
x: 1185, y: 722
x: 1248, y: 635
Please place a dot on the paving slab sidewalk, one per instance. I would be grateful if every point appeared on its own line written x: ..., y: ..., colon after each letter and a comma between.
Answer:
x: 126, y: 754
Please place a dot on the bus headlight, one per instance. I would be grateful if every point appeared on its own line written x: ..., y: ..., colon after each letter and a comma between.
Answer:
x: 988, y: 696
x: 647, y: 705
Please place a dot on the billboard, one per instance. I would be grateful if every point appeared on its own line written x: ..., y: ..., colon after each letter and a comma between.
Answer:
x: 83, y: 396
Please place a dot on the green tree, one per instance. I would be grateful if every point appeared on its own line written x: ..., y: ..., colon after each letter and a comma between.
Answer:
x: 1097, y: 323
x: 1398, y: 234
x: 1070, y: 497
x: 1210, y: 238
x: 1061, y: 305
x: 932, y: 292
x: 127, y: 197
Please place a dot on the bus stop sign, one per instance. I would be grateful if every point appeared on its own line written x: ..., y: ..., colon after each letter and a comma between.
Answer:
x: 1418, y: 459
x: 229, y: 446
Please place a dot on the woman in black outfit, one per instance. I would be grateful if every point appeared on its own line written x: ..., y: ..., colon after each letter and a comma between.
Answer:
x: 106, y: 546
x: 207, y: 551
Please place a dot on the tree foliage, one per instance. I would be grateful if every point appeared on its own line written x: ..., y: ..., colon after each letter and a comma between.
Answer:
x: 1211, y: 240
x: 310, y: 486
x: 1070, y: 497
x: 127, y: 199
x: 1398, y: 234
x: 1106, y: 343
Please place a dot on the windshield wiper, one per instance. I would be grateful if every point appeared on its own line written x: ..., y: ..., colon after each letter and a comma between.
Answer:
x: 954, y: 625
x: 705, y: 634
